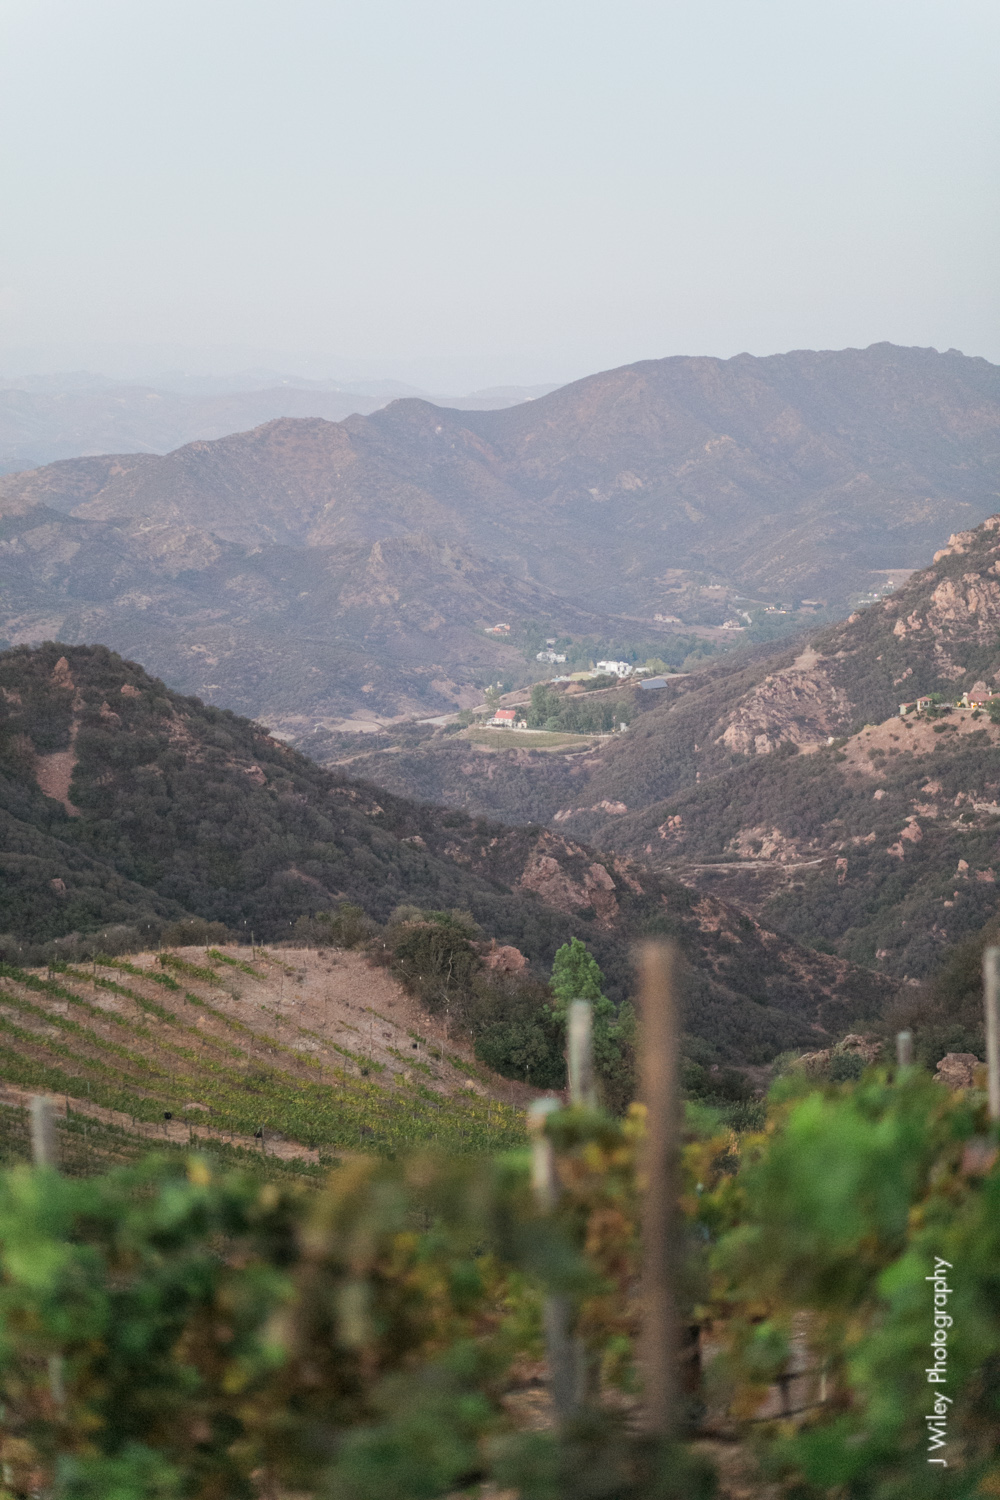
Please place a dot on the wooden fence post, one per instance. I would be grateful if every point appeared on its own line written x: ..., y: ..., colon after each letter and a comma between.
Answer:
x: 660, y: 1092
x: 563, y: 1352
x: 904, y: 1048
x: 45, y: 1154
x: 580, y: 1062
x: 991, y: 996
x: 43, y: 1132
x: 543, y: 1169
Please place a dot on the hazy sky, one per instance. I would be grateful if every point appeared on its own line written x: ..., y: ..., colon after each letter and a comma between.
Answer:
x: 461, y: 192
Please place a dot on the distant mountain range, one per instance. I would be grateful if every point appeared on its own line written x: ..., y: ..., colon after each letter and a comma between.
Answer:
x: 311, y: 570
x: 42, y: 421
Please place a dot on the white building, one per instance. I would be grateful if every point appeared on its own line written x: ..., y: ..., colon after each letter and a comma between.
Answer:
x: 550, y: 656
x: 614, y: 669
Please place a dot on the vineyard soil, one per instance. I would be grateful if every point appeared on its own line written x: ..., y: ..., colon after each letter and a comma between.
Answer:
x: 323, y: 1053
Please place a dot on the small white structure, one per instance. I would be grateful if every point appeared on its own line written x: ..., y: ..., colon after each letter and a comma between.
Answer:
x: 920, y: 705
x: 550, y: 656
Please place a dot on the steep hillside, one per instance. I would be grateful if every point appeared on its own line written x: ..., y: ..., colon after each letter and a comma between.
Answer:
x: 108, y: 776
x: 298, y: 637
x: 371, y: 553
x: 319, y: 1052
x: 881, y: 845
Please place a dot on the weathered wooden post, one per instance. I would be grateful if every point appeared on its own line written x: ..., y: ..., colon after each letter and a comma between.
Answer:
x: 43, y: 1132
x: 563, y: 1352
x: 991, y: 996
x: 44, y: 1154
x: 543, y: 1169
x: 660, y: 1092
x: 580, y: 1059
x: 904, y: 1048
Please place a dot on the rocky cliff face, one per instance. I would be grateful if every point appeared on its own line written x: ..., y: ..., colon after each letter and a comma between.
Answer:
x: 797, y: 705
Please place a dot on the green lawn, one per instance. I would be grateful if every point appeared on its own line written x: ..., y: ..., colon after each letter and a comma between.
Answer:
x: 528, y: 739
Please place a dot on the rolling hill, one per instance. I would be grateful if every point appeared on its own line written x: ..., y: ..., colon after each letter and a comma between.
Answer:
x: 318, y: 571
x: 93, y: 417
x: 123, y: 803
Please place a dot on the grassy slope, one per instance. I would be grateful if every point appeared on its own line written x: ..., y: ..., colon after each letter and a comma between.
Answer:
x: 229, y: 1047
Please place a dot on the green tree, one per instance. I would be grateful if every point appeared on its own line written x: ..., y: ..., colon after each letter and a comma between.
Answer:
x: 576, y: 975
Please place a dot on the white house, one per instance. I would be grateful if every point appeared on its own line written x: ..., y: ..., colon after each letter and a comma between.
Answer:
x: 550, y: 656
x: 614, y: 668
x: 505, y: 718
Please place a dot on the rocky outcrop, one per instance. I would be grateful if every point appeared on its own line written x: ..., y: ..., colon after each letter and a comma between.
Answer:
x: 614, y: 809
x: 867, y: 1048
x: 550, y: 878
x: 957, y: 1070
x: 764, y: 843
x: 800, y: 705
x: 503, y: 958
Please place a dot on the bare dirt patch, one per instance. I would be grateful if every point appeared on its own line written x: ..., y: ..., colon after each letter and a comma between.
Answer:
x: 314, y: 999
x: 918, y: 735
x: 54, y: 772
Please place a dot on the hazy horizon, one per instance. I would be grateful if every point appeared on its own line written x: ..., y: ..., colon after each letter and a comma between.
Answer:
x: 460, y: 197
x: 201, y: 369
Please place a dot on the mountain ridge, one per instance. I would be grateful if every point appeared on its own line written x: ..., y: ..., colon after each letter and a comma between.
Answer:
x: 661, y: 496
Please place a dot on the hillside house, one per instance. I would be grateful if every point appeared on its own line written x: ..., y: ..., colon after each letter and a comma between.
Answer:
x: 613, y: 669
x: 498, y: 630
x: 978, y: 698
x: 919, y: 706
x: 550, y: 656
x: 504, y: 718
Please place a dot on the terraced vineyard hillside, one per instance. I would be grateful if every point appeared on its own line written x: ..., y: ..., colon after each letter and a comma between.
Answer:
x: 293, y: 1055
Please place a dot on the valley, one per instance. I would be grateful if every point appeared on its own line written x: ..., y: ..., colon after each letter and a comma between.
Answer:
x: 175, y: 813
x: 766, y: 806
x: 787, y: 781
